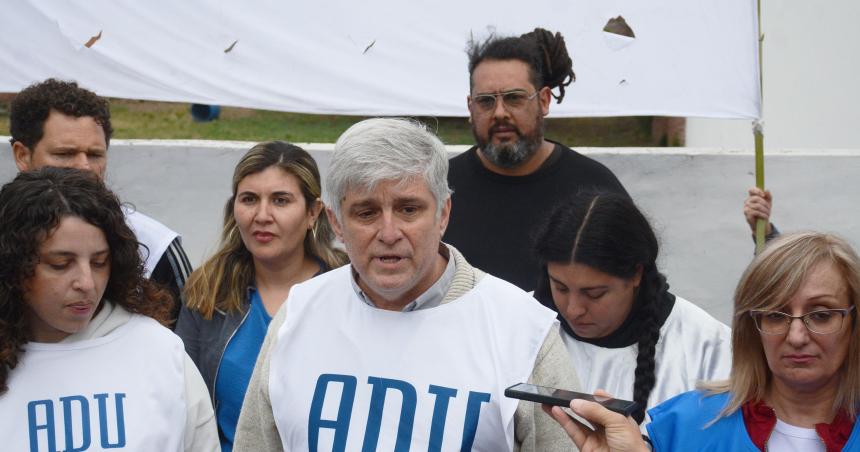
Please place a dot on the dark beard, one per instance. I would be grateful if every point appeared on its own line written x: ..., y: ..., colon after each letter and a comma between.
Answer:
x: 511, y: 154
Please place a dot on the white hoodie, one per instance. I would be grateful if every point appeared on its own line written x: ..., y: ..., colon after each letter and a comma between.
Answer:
x: 201, y: 433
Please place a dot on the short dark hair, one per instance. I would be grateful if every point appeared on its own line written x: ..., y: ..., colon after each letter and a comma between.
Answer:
x: 544, y: 52
x: 31, y: 107
x: 606, y: 231
x: 32, y: 206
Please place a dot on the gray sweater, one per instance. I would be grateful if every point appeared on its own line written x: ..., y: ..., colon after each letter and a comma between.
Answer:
x: 534, y: 430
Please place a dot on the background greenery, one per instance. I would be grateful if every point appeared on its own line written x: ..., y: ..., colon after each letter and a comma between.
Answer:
x: 166, y: 120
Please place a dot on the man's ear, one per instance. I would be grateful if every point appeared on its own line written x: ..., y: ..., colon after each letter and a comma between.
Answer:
x: 545, y: 97
x: 23, y: 156
x: 335, y: 225
x: 445, y: 215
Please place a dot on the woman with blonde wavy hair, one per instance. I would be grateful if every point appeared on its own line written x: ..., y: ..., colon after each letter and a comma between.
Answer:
x: 795, y: 378
x: 273, y: 238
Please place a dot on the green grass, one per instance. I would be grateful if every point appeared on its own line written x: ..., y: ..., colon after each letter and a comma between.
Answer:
x: 165, y: 120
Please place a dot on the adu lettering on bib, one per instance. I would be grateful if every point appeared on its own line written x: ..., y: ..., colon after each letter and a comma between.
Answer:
x: 95, y: 394
x: 345, y: 376
x: 76, y: 423
x: 380, y: 389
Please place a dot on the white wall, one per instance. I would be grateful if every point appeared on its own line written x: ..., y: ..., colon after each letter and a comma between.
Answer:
x: 811, y: 92
x: 693, y: 198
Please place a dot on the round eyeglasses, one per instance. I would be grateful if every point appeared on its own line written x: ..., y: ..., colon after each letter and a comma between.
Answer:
x: 512, y: 100
x: 824, y: 321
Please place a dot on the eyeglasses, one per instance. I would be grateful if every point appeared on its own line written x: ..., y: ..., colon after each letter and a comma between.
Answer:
x: 825, y: 321
x: 513, y: 100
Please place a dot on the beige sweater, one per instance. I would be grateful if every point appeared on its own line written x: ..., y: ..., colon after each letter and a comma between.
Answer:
x: 534, y: 430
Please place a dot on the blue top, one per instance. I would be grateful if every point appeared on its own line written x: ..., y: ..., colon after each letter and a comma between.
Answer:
x: 678, y: 424
x: 236, y: 367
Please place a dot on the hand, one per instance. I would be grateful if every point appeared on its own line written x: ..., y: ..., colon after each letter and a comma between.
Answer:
x: 613, y: 433
x: 758, y: 205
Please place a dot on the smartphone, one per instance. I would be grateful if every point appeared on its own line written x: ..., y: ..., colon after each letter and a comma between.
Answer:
x: 562, y: 397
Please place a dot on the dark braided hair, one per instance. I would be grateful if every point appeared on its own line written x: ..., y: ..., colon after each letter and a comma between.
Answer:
x: 607, y: 232
x: 31, y: 107
x: 653, y: 287
x: 544, y: 52
x: 32, y: 207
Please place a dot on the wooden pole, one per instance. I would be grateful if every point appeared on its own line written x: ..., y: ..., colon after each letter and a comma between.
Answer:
x: 760, y: 224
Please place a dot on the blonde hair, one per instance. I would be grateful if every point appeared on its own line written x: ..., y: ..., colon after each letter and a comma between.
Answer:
x: 221, y: 282
x: 772, y: 278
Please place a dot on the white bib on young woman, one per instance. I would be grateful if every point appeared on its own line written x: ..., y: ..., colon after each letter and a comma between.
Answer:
x: 125, y: 391
x: 692, y: 347
x: 345, y: 376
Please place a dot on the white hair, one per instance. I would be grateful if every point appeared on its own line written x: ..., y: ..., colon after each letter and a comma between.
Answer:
x: 386, y: 149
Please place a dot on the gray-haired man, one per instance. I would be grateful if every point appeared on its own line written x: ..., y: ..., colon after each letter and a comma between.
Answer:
x: 409, y: 347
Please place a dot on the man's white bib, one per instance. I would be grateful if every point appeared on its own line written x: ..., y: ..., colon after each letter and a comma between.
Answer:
x: 124, y: 391
x: 345, y: 376
x: 154, y: 235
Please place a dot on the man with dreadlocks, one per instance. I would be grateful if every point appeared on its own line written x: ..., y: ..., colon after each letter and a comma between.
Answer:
x: 514, y: 175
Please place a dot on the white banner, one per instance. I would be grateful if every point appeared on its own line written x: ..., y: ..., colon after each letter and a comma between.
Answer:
x: 383, y: 57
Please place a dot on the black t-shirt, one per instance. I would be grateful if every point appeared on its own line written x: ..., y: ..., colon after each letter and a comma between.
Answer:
x: 493, y: 216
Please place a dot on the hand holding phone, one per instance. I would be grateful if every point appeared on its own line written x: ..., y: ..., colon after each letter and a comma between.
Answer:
x: 562, y: 397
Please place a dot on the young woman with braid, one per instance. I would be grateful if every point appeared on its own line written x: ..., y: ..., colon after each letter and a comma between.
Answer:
x: 273, y: 237
x: 626, y: 333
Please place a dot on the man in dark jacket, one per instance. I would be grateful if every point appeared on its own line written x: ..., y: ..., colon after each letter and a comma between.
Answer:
x: 514, y: 176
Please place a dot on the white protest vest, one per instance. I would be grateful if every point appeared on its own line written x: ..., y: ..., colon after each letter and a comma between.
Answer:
x: 693, y: 347
x: 345, y: 376
x: 123, y: 391
x: 154, y: 235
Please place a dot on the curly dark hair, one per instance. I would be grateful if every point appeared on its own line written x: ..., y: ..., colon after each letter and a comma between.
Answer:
x: 543, y: 51
x: 31, y: 107
x: 32, y: 206
x: 606, y: 231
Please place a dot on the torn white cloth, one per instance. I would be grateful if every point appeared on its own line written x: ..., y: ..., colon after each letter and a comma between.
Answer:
x: 383, y: 57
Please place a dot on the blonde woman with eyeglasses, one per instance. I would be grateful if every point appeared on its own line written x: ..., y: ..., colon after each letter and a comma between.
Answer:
x: 795, y: 379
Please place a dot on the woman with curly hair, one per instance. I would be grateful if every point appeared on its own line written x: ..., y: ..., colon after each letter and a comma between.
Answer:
x: 84, y: 361
x: 626, y: 333
x: 273, y: 238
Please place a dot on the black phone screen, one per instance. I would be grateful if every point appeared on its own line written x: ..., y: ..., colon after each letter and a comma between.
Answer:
x: 562, y: 397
